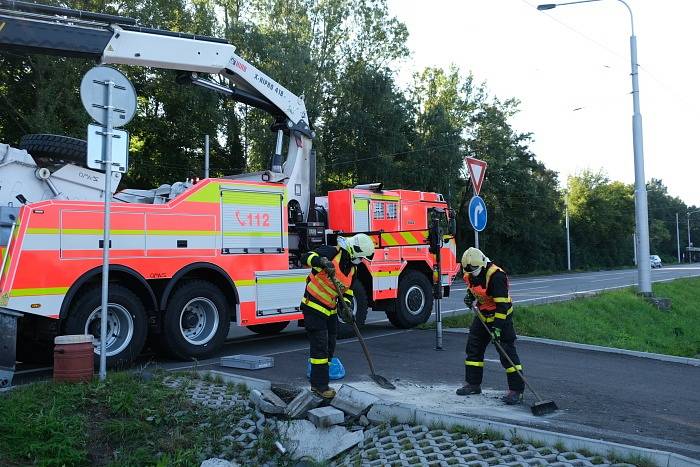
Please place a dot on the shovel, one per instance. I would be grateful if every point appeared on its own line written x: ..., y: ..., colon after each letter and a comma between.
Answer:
x: 541, y: 407
x: 379, y: 379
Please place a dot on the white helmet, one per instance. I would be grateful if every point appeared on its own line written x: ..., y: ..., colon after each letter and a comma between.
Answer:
x: 473, y: 260
x: 359, y: 246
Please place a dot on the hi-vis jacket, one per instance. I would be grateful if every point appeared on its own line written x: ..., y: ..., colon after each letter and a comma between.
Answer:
x: 490, y: 288
x: 320, y: 293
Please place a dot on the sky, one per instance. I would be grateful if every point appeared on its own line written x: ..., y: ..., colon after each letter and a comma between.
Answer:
x: 570, y: 68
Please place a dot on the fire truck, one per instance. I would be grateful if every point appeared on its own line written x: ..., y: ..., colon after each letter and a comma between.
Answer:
x: 189, y: 259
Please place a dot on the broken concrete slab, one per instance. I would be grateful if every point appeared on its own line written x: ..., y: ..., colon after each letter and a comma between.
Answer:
x: 302, y: 403
x: 267, y: 401
x: 321, y: 444
x: 353, y: 401
x: 325, y: 416
x: 216, y: 462
x: 383, y: 411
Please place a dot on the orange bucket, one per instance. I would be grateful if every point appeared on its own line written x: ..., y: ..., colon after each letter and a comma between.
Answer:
x: 73, y: 358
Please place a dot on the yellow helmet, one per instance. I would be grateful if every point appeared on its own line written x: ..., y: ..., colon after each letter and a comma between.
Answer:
x: 473, y: 260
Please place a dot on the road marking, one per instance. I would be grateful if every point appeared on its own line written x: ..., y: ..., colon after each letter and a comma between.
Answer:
x: 33, y: 370
x: 530, y: 288
x: 594, y: 290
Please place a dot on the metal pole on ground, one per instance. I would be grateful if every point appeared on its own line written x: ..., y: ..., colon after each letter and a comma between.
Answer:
x: 568, y: 242
x: 678, y: 240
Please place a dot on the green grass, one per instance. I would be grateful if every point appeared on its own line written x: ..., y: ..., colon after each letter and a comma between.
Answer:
x: 616, y: 319
x: 123, y: 421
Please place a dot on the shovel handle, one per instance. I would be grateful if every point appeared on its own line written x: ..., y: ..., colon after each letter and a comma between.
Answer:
x: 500, y: 349
x: 341, y: 302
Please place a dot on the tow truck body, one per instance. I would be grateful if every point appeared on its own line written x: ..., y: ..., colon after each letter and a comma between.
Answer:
x: 187, y: 259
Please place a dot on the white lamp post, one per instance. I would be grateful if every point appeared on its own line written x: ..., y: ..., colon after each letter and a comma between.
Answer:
x: 640, y: 189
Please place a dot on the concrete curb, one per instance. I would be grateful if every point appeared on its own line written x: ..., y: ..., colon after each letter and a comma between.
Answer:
x: 599, y: 348
x: 403, y: 413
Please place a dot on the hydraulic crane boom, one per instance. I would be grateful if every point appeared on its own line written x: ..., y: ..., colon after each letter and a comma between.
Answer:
x: 109, y: 39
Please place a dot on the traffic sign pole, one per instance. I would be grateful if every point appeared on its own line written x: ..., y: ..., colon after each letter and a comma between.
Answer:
x: 110, y: 99
x: 107, y: 161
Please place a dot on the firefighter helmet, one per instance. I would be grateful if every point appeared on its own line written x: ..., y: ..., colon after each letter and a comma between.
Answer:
x: 359, y: 246
x: 473, y: 260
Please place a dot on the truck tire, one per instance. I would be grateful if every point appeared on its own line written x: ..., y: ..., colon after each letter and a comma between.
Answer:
x: 196, y: 320
x: 359, y: 310
x: 268, y: 329
x: 55, y: 148
x: 414, y: 302
x: 360, y: 304
x: 127, y: 324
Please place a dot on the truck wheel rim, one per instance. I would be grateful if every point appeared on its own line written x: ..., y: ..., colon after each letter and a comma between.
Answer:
x: 415, y: 300
x: 199, y: 321
x: 120, y: 328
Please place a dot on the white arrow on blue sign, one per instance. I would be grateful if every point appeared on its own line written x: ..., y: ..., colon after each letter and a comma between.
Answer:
x: 477, y: 213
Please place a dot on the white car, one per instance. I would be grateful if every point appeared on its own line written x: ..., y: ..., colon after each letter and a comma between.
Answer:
x: 655, y: 261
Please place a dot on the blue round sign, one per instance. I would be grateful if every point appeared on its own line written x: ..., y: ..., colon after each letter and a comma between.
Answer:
x: 477, y: 213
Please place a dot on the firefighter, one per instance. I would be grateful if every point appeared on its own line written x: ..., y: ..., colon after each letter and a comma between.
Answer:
x: 319, y: 305
x: 487, y: 289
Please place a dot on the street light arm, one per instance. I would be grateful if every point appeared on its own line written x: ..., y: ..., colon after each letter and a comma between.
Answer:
x: 631, y: 15
x: 550, y: 6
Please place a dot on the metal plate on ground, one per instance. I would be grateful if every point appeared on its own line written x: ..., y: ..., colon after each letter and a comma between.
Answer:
x: 247, y: 362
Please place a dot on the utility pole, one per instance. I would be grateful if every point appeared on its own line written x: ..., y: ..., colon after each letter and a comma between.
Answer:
x: 568, y: 242
x: 206, y: 156
x: 678, y: 240
x: 634, y: 245
x: 689, y: 254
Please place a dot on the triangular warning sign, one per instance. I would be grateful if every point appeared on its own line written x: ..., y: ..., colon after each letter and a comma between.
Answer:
x: 477, y: 170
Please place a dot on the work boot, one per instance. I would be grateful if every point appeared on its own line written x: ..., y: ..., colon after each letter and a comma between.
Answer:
x: 469, y: 389
x: 513, y: 397
x: 326, y: 393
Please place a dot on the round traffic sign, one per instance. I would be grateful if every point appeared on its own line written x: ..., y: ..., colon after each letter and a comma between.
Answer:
x: 93, y: 94
x: 477, y: 213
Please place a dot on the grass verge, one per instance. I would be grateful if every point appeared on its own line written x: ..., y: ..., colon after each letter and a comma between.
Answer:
x: 618, y: 319
x: 123, y: 421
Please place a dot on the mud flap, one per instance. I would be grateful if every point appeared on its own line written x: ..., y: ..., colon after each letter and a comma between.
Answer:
x: 8, y: 345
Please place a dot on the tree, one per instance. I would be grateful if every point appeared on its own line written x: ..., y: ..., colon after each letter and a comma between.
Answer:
x: 602, y: 220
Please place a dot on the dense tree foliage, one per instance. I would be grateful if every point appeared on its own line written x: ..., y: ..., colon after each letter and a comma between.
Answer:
x: 341, y: 56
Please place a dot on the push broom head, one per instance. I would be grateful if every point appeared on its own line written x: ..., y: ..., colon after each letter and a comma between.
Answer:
x: 543, y: 408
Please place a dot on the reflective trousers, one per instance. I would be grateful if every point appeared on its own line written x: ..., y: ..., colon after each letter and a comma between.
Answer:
x: 477, y: 342
x: 322, y: 331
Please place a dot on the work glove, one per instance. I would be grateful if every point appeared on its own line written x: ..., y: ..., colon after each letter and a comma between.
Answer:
x: 496, y: 334
x: 328, y: 266
x: 344, y: 312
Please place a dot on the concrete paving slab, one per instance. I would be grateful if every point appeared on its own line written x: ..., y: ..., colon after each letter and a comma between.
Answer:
x: 302, y: 403
x: 352, y: 401
x: 324, y: 417
x: 305, y: 440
